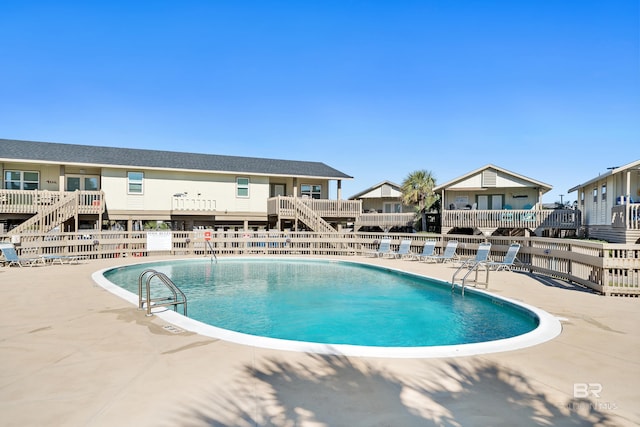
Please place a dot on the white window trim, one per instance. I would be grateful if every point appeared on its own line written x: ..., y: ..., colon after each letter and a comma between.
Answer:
x: 311, y: 192
x: 82, y: 178
x: 389, y: 207
x: 22, y: 180
x: 130, y: 181
x: 242, y: 186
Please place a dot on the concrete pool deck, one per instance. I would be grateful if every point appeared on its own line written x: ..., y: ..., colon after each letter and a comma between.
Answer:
x: 72, y: 354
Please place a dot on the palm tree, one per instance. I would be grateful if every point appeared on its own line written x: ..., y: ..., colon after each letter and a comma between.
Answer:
x: 417, y: 189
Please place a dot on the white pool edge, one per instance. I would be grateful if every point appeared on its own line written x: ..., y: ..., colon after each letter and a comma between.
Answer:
x: 548, y: 328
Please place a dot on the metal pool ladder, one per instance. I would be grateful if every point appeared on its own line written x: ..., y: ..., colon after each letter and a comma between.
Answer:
x: 212, y: 252
x: 474, y: 267
x: 145, y: 301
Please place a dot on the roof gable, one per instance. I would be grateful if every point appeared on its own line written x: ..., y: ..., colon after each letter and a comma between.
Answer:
x: 492, y: 176
x: 610, y: 172
x: 49, y: 152
x: 381, y: 190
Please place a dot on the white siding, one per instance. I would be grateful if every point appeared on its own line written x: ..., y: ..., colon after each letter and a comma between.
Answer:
x: 160, y: 186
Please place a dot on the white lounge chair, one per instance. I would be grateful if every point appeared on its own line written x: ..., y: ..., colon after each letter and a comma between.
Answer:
x: 403, y: 250
x: 449, y: 254
x: 509, y: 259
x: 482, y: 256
x: 62, y: 259
x: 427, y: 250
x: 383, y: 248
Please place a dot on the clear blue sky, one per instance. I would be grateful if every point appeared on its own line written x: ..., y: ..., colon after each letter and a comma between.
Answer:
x: 376, y: 89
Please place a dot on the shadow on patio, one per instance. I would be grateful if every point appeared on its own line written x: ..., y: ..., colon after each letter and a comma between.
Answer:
x: 339, y: 391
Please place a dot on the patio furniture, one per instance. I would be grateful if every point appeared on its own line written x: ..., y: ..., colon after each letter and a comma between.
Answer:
x: 509, y: 259
x: 11, y: 256
x: 403, y: 250
x: 427, y: 250
x: 449, y: 254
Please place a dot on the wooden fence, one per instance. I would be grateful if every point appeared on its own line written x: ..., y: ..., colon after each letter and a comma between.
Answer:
x: 610, y: 269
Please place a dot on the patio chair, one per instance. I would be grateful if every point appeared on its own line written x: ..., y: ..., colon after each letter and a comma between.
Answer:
x: 449, y: 254
x: 482, y: 256
x: 403, y: 250
x: 427, y: 250
x: 509, y: 259
x: 383, y: 248
x: 11, y: 256
x: 62, y: 259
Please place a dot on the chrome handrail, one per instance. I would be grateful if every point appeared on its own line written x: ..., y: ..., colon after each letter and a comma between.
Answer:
x: 158, y: 302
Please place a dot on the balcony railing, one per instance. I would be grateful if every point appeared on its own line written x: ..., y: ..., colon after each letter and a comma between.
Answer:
x: 531, y: 219
x: 35, y: 201
x: 285, y: 206
x: 192, y: 204
x: 385, y: 221
x: 626, y: 216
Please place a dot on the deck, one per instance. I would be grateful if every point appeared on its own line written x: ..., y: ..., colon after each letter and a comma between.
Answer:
x: 488, y: 221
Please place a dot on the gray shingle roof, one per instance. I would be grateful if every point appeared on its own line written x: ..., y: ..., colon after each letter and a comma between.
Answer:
x: 133, y: 157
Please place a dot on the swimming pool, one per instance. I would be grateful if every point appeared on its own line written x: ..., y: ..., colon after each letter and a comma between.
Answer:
x: 337, y: 307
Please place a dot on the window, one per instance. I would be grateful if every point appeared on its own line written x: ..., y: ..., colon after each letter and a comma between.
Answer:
x: 135, y: 182
x: 278, y: 190
x: 604, y: 192
x: 83, y: 183
x: 242, y: 187
x: 582, y: 197
x: 392, y: 207
x: 21, y: 180
x: 595, y: 194
x: 313, y: 191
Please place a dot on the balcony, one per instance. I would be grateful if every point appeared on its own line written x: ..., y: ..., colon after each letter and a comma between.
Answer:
x: 385, y: 221
x: 35, y: 201
x: 626, y: 216
x: 491, y: 220
x: 285, y: 207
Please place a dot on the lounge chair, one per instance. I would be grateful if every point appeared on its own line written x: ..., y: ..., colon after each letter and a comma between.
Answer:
x: 427, y: 250
x: 11, y: 256
x: 482, y: 256
x: 509, y: 259
x: 449, y: 254
x: 61, y: 259
x: 383, y: 248
x: 404, y: 250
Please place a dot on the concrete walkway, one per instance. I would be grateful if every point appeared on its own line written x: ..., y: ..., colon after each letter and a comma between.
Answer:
x: 72, y: 354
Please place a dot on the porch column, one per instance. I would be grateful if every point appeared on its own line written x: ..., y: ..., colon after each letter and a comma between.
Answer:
x: 295, y: 187
x: 339, y: 192
x: 61, y: 179
x: 628, y: 187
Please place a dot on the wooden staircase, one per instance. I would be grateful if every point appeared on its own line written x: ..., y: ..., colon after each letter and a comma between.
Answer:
x: 50, y: 216
x: 311, y: 219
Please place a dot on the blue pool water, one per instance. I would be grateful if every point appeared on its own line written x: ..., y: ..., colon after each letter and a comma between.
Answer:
x: 333, y: 302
